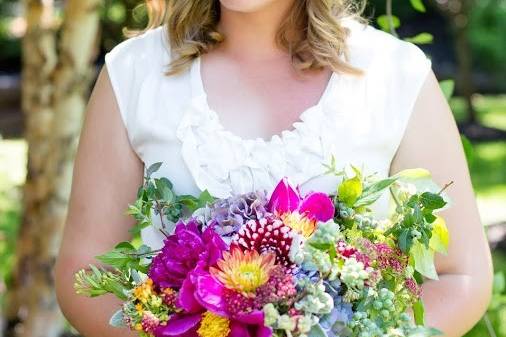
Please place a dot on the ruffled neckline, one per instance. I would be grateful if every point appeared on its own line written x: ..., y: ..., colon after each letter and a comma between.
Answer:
x: 199, y: 93
x: 226, y: 164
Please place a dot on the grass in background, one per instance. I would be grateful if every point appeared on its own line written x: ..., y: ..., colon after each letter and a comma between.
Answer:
x: 12, y: 176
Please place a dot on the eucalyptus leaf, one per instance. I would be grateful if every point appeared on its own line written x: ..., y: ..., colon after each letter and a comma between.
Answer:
x: 117, y: 320
x: 153, y: 168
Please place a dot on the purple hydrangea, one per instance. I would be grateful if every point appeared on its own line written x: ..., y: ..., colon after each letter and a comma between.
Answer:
x: 335, y: 322
x: 227, y: 216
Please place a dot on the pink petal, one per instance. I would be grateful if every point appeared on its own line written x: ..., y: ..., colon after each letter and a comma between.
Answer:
x: 284, y: 198
x: 317, y: 206
x: 186, y: 299
x: 178, y: 325
x: 254, y: 318
x: 209, y: 293
x: 238, y: 330
x: 264, y: 331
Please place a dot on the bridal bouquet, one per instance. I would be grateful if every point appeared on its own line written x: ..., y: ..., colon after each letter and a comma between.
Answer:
x: 279, y: 263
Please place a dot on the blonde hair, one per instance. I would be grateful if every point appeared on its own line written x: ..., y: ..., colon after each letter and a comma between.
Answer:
x: 311, y: 33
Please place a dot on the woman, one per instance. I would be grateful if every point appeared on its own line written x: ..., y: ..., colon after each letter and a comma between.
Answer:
x: 256, y: 90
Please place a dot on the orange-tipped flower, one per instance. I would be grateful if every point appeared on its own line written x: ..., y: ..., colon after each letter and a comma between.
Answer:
x: 244, y: 271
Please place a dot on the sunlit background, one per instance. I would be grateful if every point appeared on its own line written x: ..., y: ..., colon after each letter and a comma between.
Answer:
x: 466, y: 40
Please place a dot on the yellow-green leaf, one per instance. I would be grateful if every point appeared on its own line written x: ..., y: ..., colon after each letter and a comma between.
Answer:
x: 418, y: 5
x: 350, y: 190
x: 440, y: 236
x: 422, y: 38
x: 424, y: 260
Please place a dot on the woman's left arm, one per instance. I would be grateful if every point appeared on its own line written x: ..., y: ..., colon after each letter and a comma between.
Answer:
x: 432, y: 141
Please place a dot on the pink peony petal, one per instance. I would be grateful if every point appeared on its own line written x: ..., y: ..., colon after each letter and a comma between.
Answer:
x: 284, y: 198
x: 317, y: 206
x: 179, y: 325
x: 186, y: 298
x: 209, y: 292
x: 264, y: 331
x: 238, y: 330
x: 254, y: 318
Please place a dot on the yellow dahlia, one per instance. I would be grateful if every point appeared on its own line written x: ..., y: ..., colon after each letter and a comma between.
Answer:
x: 244, y: 271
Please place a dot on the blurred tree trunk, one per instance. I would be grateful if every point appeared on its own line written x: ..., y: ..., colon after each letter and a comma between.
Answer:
x: 55, y: 87
x: 457, y: 12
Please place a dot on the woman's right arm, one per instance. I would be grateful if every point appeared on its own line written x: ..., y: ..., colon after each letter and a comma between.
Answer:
x: 107, y: 174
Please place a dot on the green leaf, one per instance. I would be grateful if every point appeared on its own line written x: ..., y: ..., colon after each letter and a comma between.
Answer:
x: 350, y: 190
x: 432, y: 201
x: 125, y: 245
x: 428, y: 216
x: 419, y: 312
x: 117, y: 319
x: 205, y: 198
x: 424, y: 260
x: 440, y: 236
x: 447, y: 87
x: 153, y: 168
x: 405, y: 240
x: 384, y: 22
x: 418, y: 5
x: 422, y: 38
x: 163, y: 190
x: 372, y: 192
x: 114, y: 258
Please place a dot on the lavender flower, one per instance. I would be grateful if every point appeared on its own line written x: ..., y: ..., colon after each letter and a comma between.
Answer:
x: 227, y: 216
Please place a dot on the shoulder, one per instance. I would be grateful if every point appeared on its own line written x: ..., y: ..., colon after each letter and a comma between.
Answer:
x: 143, y: 49
x: 131, y: 63
x: 374, y: 50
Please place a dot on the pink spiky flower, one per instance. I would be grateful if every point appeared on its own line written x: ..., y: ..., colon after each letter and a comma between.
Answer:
x: 267, y: 235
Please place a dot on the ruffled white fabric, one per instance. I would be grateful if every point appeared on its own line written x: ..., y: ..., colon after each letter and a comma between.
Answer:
x: 225, y: 164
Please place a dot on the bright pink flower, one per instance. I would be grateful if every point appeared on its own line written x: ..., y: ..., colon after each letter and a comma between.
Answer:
x: 300, y: 213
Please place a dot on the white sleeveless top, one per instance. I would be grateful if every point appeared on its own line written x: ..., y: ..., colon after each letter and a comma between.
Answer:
x: 359, y: 120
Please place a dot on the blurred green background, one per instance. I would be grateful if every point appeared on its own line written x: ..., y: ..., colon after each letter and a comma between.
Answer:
x: 465, y: 39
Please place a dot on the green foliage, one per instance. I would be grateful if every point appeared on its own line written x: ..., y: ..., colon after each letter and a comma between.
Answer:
x: 156, y: 196
x: 418, y: 5
x: 387, y: 23
x: 447, y: 86
x: 422, y: 38
x: 125, y: 257
x: 96, y: 282
x: 487, y: 24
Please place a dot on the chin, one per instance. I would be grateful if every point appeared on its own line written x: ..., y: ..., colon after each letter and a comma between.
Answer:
x: 248, y: 6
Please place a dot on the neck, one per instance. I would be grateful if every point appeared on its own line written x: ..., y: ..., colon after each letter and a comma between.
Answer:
x: 252, y: 35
